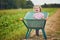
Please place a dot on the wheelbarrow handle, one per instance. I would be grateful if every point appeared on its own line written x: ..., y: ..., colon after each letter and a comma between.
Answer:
x: 24, y: 22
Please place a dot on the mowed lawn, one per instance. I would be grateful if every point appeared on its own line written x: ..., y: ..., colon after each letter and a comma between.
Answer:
x: 11, y: 28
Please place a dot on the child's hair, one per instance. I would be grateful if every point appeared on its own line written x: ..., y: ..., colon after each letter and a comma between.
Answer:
x: 38, y: 6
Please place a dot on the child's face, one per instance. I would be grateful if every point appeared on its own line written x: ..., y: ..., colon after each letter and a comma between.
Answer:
x: 36, y: 9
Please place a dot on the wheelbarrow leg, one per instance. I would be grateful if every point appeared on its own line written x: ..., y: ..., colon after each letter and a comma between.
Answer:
x: 44, y: 34
x: 28, y: 33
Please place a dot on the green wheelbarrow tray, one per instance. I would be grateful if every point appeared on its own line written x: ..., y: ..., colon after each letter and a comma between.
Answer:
x: 35, y: 23
x: 32, y: 23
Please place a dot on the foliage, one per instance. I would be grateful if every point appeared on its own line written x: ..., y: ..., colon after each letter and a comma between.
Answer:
x: 29, y: 4
x: 51, y: 5
x: 8, y: 4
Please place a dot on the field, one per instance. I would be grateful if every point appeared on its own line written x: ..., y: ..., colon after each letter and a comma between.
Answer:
x: 11, y: 28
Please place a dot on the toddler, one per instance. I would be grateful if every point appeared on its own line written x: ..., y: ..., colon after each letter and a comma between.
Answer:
x: 38, y: 15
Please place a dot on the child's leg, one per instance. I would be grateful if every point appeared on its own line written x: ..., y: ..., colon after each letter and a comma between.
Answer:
x: 37, y: 32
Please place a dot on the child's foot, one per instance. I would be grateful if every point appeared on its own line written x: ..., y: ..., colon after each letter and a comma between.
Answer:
x: 37, y: 34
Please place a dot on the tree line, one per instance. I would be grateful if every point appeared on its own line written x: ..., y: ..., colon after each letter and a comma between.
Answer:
x: 8, y: 4
x: 51, y: 5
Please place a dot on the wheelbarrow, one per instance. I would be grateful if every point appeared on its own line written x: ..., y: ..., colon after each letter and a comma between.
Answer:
x: 32, y: 23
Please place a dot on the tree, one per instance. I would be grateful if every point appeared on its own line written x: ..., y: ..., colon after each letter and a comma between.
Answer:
x: 29, y: 4
x: 12, y: 4
x: 19, y: 3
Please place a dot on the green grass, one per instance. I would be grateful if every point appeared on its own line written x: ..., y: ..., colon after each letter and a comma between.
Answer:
x: 11, y: 28
x: 51, y: 11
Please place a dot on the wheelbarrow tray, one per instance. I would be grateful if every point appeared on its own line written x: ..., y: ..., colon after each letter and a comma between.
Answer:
x: 35, y: 23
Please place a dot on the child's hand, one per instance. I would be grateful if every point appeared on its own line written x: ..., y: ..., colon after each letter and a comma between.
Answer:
x: 43, y: 17
x: 21, y: 19
x: 46, y: 18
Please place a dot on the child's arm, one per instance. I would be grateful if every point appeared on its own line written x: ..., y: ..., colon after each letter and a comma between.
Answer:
x: 46, y: 18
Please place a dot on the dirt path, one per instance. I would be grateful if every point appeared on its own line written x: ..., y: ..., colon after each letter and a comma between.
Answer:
x: 52, y: 28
